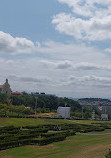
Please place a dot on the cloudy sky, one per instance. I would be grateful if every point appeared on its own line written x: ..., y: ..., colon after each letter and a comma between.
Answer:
x: 60, y: 47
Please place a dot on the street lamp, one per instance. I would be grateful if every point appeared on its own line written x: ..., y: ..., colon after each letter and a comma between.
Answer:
x: 82, y: 113
x: 36, y: 104
x: 65, y: 110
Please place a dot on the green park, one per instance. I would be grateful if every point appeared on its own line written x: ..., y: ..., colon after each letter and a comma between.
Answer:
x: 26, y: 132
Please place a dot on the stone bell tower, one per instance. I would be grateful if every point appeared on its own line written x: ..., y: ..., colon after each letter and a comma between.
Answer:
x: 6, y: 88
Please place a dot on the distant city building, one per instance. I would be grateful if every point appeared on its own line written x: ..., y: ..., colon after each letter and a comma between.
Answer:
x: 5, y: 88
x: 94, y: 102
x: 63, y: 112
x: 104, y: 117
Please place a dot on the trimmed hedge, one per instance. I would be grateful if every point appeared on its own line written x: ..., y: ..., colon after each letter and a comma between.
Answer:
x: 15, y: 136
x: 51, y: 134
x: 44, y: 141
x: 39, y: 141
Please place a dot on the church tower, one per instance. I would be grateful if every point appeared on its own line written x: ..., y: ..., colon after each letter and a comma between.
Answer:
x: 6, y: 88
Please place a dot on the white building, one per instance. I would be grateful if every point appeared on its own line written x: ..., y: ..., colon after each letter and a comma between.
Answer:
x: 104, y: 117
x: 63, y: 112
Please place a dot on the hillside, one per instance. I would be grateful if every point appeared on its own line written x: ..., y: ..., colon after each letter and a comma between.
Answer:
x: 94, y: 102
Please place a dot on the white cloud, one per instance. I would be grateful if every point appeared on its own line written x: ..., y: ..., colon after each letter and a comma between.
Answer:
x: 5, y: 64
x: 58, y: 64
x: 37, y: 80
x: 108, y: 50
x: 49, y: 71
x: 89, y: 81
x: 90, y: 20
x: 70, y: 65
x: 91, y: 66
x: 14, y: 45
x: 88, y: 8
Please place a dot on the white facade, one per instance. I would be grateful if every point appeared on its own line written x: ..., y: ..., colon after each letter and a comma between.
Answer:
x: 63, y: 112
x: 104, y: 117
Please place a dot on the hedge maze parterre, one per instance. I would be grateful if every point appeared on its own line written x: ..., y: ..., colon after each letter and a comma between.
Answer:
x: 11, y: 136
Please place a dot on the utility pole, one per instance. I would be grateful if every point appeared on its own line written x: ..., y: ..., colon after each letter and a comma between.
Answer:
x: 105, y: 109
x: 82, y: 112
x: 65, y: 109
x: 93, y: 115
x: 36, y: 104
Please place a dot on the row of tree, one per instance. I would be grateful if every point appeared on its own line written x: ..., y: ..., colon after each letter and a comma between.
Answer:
x: 45, y: 103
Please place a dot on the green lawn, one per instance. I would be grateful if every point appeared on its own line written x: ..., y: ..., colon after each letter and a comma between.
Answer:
x: 29, y: 121
x: 78, y: 146
x: 89, y: 121
x: 106, y: 131
x: 34, y: 122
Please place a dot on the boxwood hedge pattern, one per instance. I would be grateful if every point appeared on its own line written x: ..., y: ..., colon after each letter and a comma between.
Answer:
x: 40, y: 135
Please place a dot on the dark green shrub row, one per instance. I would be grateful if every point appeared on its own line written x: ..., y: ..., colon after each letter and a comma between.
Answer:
x: 53, y: 127
x: 18, y: 137
x: 38, y: 131
x: 82, y: 127
x: 40, y: 141
x: 9, y: 132
x: 9, y: 129
x: 23, y: 134
x: 14, y: 137
x: 105, y: 125
x: 44, y: 141
x: 48, y: 126
x: 51, y: 134
x: 76, y: 127
x: 11, y: 144
x: 18, y: 131
x: 32, y: 127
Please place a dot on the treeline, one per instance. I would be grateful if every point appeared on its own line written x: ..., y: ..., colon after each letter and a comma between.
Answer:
x: 44, y: 102
x: 25, y: 104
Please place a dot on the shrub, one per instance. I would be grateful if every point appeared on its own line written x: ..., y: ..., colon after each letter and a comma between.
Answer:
x: 109, y: 154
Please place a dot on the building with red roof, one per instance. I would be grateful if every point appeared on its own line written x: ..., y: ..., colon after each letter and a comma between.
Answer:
x: 5, y: 88
x: 16, y: 93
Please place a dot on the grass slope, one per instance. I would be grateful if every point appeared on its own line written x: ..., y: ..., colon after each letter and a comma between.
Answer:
x: 29, y: 121
x: 78, y: 146
x: 89, y: 121
x: 34, y: 122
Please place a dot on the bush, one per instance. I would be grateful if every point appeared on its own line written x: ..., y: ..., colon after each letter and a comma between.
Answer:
x: 109, y: 154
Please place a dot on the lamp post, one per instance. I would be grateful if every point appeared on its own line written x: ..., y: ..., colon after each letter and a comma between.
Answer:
x: 36, y: 104
x: 65, y: 110
x: 82, y: 112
